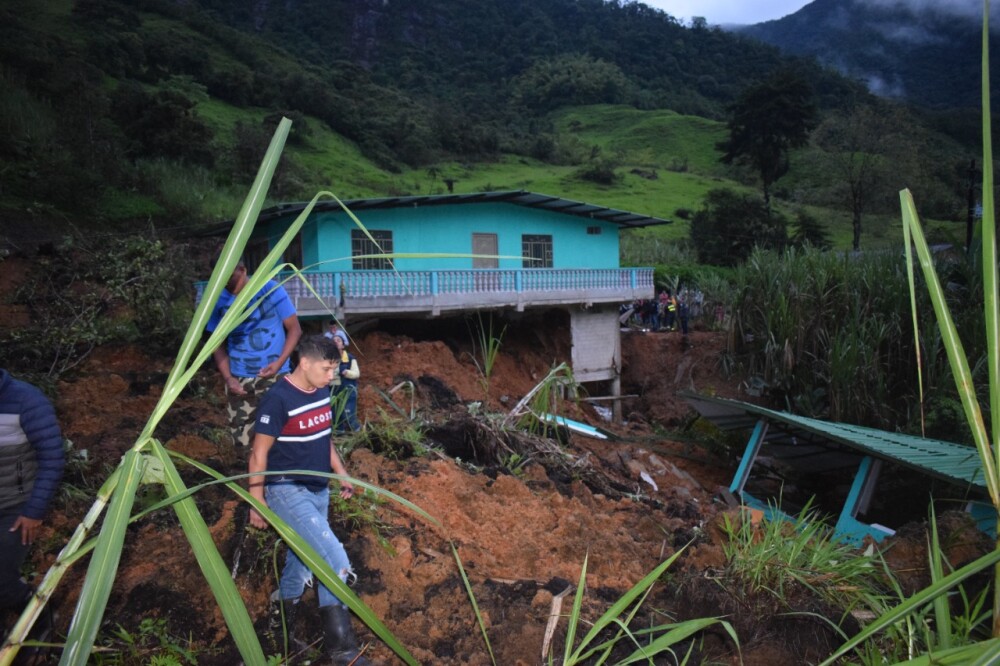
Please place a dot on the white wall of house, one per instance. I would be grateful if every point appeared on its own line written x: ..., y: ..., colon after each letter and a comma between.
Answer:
x: 597, y: 349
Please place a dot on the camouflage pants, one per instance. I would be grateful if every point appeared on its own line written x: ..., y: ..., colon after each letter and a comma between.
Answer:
x: 241, y: 408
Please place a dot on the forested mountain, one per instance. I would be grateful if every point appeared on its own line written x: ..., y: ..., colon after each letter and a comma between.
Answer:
x: 153, y: 110
x: 922, y: 52
x: 481, y: 52
x: 407, y: 77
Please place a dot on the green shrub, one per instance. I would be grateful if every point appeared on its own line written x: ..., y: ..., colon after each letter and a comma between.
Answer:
x: 93, y: 291
x: 784, y: 559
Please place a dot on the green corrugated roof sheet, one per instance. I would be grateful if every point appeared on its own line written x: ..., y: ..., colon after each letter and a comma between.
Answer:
x: 946, y: 460
x: 622, y: 218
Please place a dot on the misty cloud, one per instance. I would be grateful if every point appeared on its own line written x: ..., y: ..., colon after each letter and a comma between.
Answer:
x: 967, y: 8
x: 911, y: 34
x: 879, y: 86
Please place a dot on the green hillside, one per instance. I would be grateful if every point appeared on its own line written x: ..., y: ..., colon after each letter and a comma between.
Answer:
x: 123, y: 113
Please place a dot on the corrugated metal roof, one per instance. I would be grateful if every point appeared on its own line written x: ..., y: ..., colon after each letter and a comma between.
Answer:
x: 520, y: 197
x: 952, y: 462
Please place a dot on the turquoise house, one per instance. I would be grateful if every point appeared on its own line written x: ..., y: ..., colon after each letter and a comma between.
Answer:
x: 512, y: 249
x: 517, y: 251
x: 521, y: 237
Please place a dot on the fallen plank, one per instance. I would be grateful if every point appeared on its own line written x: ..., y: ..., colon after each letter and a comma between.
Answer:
x: 576, y: 426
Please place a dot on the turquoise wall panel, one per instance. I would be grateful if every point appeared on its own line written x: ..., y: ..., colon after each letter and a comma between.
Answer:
x: 449, y: 229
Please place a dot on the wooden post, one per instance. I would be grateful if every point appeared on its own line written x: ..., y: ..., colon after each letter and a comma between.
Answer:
x: 616, y: 406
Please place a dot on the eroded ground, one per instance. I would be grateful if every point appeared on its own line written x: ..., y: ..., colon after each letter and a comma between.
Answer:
x: 621, y: 506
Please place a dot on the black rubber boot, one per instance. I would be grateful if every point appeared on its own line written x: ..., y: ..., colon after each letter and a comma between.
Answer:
x: 289, y: 609
x: 339, y: 643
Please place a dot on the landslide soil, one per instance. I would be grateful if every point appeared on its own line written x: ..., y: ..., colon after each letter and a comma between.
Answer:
x: 522, y: 537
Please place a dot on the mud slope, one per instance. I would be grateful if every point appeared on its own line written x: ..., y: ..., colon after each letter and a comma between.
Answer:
x: 621, y: 507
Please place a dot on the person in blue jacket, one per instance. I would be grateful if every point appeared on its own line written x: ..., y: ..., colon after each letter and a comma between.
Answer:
x: 31, y: 467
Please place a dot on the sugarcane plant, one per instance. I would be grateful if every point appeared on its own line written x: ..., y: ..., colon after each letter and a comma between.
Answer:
x: 650, y: 644
x: 986, y: 439
x: 147, y: 461
x: 486, y: 341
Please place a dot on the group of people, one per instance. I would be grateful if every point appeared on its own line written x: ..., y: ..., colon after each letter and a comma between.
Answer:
x: 287, y: 393
x: 260, y: 349
x: 292, y: 413
x: 668, y: 312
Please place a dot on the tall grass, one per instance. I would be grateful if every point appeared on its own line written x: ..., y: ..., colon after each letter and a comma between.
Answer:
x: 116, y: 496
x: 777, y: 555
x: 650, y: 644
x: 486, y: 340
x: 986, y: 437
x: 193, y: 191
x: 826, y: 332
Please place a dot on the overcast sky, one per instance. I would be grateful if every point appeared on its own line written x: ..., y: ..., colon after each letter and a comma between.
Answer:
x: 719, y: 12
x: 722, y: 12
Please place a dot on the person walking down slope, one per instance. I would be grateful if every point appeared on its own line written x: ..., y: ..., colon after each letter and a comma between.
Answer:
x: 31, y: 467
x: 256, y: 352
x: 293, y: 432
x: 345, y: 388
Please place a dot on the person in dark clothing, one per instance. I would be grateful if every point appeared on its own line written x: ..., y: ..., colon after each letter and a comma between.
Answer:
x: 345, y: 388
x: 31, y: 467
x: 650, y: 315
x: 682, y: 313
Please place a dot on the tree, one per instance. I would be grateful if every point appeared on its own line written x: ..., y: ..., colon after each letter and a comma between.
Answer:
x: 863, y: 148
x: 807, y: 230
x: 162, y: 124
x: 570, y: 79
x: 730, y: 225
x: 767, y: 121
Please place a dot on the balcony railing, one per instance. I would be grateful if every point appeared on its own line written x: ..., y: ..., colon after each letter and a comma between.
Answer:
x: 457, y: 289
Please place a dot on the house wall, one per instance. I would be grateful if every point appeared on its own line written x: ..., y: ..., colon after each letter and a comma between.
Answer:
x: 596, y: 339
x: 597, y: 349
x: 310, y: 243
x: 449, y: 229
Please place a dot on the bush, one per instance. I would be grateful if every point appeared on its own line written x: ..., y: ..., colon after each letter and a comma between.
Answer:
x: 571, y: 79
x: 152, y: 282
x: 809, y: 231
x: 90, y: 292
x: 600, y: 170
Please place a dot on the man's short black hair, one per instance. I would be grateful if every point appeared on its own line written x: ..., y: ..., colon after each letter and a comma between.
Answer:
x: 317, y: 347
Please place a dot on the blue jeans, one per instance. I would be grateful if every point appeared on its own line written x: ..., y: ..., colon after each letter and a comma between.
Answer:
x: 306, y: 510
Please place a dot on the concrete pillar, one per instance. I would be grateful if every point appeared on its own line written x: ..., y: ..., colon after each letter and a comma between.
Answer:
x: 597, y: 349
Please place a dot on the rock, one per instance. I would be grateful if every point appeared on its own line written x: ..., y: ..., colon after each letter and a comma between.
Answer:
x: 542, y: 600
